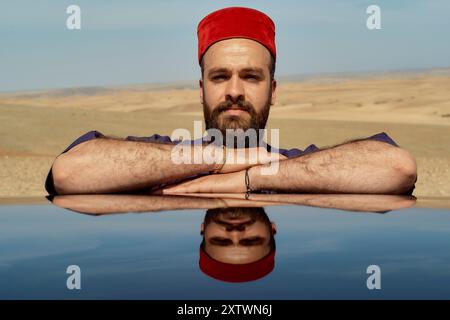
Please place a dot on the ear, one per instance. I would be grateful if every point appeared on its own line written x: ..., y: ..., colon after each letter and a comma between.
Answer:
x: 200, y: 84
x: 202, y: 228
x: 274, y: 91
x: 274, y: 228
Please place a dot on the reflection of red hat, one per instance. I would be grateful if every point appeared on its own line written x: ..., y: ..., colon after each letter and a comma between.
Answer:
x: 236, y: 272
x: 236, y: 22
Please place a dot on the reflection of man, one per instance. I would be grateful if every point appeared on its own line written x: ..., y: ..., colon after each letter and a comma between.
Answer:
x: 237, y: 55
x: 238, y: 244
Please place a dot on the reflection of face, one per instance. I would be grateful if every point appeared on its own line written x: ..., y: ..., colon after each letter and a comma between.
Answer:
x: 237, y: 235
x: 236, y: 89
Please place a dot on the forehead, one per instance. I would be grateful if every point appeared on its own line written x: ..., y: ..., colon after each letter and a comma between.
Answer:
x: 236, y: 53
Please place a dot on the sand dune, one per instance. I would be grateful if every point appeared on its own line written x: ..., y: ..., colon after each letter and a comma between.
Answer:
x: 413, y: 108
x: 417, y: 98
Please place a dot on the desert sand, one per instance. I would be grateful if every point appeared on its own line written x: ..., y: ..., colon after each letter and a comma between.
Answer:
x: 413, y: 108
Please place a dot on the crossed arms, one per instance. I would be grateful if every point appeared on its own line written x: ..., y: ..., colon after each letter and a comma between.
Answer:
x: 107, y: 165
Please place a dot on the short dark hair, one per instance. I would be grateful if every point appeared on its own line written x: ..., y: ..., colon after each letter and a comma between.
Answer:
x: 271, y: 67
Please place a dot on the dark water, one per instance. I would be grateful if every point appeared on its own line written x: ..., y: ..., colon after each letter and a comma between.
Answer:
x: 320, y: 253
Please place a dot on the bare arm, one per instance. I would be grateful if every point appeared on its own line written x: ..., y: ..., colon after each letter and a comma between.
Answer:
x: 370, y: 167
x: 363, y: 167
x: 350, y: 202
x: 106, y: 165
x: 102, y: 204
x: 109, y: 165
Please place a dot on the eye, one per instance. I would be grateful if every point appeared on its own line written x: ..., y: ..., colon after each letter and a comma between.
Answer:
x: 219, y: 77
x: 251, y: 77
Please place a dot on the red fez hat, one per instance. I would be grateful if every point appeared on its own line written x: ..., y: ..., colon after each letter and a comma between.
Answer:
x: 236, y: 272
x: 236, y: 22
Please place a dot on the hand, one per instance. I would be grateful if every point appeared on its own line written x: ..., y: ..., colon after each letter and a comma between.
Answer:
x: 215, y: 183
x: 241, y: 159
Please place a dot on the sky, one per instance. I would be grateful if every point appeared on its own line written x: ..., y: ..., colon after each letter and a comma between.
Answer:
x: 136, y: 42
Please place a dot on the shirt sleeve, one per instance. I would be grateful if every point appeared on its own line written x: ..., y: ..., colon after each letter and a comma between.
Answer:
x: 156, y: 138
x: 49, y: 184
x: 383, y: 137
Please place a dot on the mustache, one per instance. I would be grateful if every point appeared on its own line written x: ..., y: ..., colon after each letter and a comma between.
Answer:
x: 230, y: 104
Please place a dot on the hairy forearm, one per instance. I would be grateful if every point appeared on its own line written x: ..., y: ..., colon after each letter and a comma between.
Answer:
x: 369, y: 167
x: 349, y: 202
x: 110, y: 166
x: 101, y: 204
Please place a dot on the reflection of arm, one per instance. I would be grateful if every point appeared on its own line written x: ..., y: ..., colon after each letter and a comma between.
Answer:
x: 351, y: 202
x: 105, y: 204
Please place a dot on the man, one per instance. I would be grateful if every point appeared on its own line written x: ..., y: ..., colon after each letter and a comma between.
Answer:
x: 237, y: 55
x: 238, y: 244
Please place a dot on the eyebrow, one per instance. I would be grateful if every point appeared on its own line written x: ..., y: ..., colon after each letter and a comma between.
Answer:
x: 218, y: 70
x: 252, y: 241
x: 247, y: 242
x: 255, y: 69
x: 245, y: 70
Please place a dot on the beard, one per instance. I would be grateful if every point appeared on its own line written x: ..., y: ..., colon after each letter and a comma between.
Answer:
x: 251, y: 119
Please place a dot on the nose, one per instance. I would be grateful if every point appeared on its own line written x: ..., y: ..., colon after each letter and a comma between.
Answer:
x: 235, y: 89
x: 235, y: 237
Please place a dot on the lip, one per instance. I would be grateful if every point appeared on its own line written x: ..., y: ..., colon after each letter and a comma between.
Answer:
x: 235, y: 112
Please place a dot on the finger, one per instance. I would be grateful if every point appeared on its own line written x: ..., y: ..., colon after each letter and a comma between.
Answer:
x: 157, y: 192
x: 217, y: 195
x: 173, y: 190
x: 184, y: 187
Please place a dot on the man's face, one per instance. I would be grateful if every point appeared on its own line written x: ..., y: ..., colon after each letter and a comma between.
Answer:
x: 236, y: 88
x: 237, y: 236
